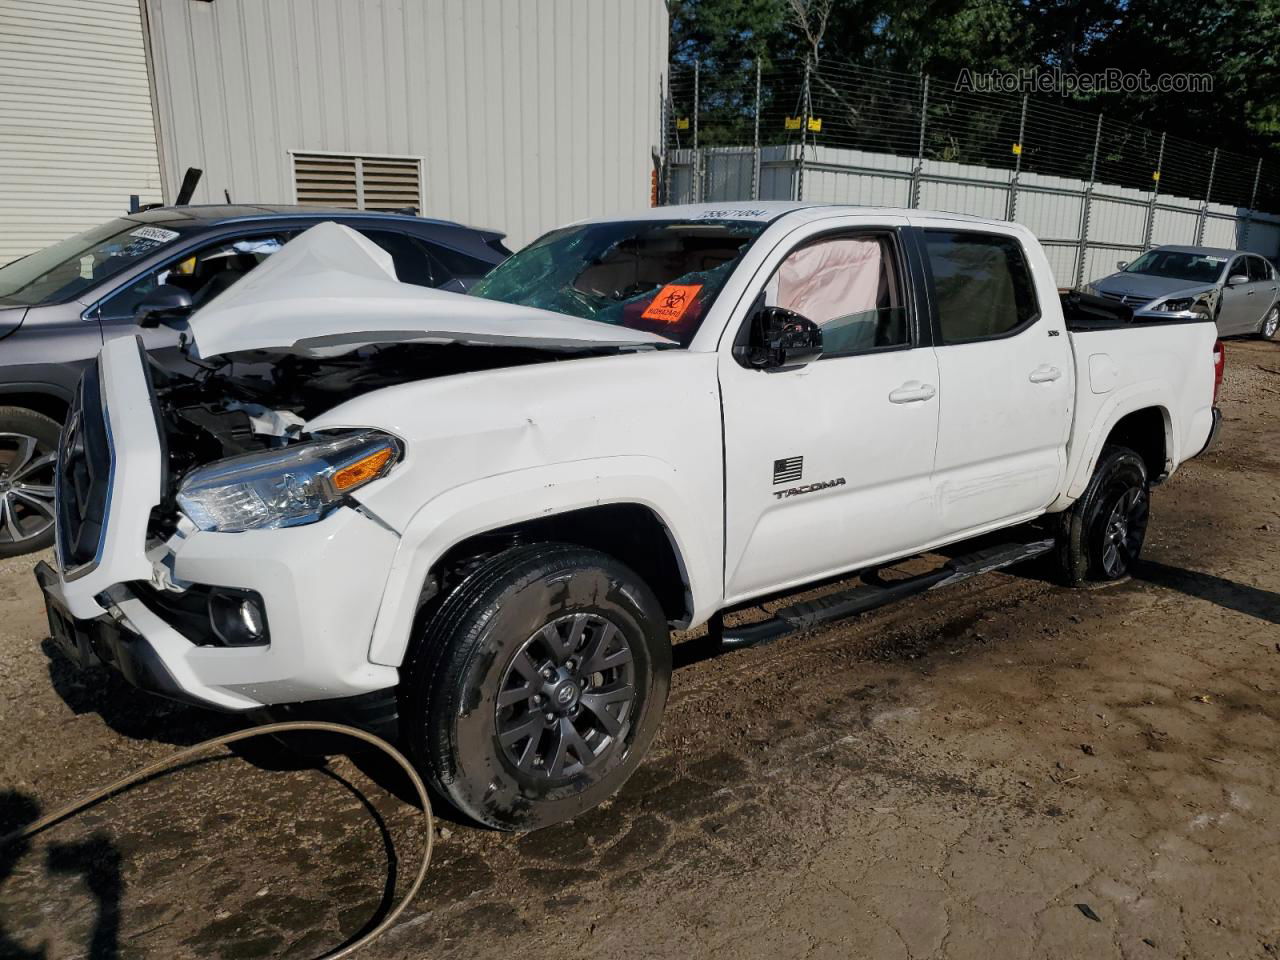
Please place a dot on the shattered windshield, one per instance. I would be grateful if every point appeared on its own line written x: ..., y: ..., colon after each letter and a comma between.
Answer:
x: 656, y: 275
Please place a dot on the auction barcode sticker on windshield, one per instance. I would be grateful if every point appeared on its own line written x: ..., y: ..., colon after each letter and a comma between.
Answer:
x: 158, y: 234
x: 671, y: 302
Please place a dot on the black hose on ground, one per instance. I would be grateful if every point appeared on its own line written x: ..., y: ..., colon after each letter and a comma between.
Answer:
x: 182, y: 756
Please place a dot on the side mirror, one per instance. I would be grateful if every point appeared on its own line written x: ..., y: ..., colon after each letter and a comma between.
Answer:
x: 1121, y: 264
x: 1236, y: 279
x: 165, y: 302
x: 781, y: 339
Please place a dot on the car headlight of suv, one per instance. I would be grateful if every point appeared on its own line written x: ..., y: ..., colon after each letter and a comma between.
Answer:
x: 288, y: 487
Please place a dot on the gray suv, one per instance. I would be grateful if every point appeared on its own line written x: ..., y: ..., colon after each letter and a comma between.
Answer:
x: 58, y: 306
x: 1237, y: 289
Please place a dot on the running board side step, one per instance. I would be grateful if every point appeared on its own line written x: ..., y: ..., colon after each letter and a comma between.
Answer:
x: 874, y: 593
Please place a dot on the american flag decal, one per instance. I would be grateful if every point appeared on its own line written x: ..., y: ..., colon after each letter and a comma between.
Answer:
x: 788, y: 470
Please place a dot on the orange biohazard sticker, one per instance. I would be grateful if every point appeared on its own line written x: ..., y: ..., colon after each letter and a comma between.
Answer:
x: 671, y: 302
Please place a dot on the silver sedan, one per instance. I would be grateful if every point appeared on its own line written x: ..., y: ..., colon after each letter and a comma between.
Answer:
x: 1237, y: 289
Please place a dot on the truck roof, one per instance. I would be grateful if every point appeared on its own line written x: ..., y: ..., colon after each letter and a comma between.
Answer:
x: 770, y: 210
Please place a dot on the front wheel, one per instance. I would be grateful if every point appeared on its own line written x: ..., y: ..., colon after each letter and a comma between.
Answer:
x: 1102, y: 534
x: 533, y: 692
x: 28, y: 449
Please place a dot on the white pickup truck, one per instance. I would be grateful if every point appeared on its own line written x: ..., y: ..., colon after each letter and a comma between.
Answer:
x: 482, y: 516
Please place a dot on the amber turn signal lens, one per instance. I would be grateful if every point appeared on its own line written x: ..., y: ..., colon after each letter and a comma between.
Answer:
x: 362, y: 471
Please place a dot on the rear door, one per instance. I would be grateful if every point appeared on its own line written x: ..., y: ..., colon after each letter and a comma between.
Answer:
x: 1262, y: 290
x: 827, y: 467
x: 1005, y: 376
x: 1236, y: 314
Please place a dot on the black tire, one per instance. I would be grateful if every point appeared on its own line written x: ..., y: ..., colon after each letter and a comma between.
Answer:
x: 1101, y: 536
x: 495, y: 635
x: 28, y: 443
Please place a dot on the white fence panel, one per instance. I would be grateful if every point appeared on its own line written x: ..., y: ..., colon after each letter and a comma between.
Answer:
x: 1120, y: 221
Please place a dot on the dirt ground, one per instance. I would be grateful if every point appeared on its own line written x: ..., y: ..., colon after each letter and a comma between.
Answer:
x: 1004, y: 769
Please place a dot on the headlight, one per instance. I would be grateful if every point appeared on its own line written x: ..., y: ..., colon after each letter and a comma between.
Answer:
x: 286, y: 487
x: 1201, y: 303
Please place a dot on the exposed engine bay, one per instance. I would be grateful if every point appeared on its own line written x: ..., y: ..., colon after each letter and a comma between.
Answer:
x: 255, y: 401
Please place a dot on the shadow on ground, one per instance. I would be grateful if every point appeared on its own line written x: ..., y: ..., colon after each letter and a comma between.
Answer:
x: 95, y: 859
x: 1240, y: 597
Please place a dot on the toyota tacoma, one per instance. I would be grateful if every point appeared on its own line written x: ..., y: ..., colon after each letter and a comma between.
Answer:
x: 480, y: 517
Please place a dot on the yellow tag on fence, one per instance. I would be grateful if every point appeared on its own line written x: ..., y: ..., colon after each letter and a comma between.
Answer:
x: 793, y: 123
x: 1017, y: 149
x: 682, y: 123
x: 815, y: 124
x: 1156, y: 176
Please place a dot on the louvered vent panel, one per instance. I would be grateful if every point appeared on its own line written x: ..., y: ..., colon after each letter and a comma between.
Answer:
x: 391, y: 184
x: 326, y: 181
x: 358, y: 183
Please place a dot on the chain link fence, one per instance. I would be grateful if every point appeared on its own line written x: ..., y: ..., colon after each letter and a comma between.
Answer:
x: 1090, y: 186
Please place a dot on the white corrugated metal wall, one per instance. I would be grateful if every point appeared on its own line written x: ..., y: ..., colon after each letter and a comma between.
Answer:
x: 526, y: 113
x: 77, y: 135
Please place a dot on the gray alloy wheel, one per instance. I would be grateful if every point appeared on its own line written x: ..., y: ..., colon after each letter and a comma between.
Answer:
x: 568, y: 692
x: 28, y: 451
x: 1270, y: 323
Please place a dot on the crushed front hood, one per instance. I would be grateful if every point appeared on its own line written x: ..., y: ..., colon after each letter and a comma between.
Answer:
x: 332, y: 289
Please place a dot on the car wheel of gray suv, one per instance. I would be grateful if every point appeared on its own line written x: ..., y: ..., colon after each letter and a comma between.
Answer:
x: 535, y: 689
x: 28, y: 448
x: 1102, y: 534
x: 1270, y: 324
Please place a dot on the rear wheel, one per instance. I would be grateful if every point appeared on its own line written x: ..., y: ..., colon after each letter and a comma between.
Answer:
x: 1101, y: 536
x: 534, y: 691
x: 28, y: 449
x: 1270, y: 324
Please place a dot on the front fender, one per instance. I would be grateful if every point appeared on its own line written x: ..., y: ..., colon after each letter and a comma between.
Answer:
x: 507, y: 498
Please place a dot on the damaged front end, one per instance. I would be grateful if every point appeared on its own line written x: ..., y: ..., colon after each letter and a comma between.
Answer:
x: 237, y: 453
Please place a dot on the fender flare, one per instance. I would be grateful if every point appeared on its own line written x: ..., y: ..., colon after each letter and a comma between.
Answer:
x: 1131, y: 399
x: 498, y: 501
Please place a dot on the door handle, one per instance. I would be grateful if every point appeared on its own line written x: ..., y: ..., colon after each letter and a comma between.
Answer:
x: 1252, y: 292
x: 913, y: 391
x: 1044, y: 374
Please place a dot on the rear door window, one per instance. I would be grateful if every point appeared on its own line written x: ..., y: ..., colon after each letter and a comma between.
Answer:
x: 1258, y: 269
x: 982, y: 285
x: 454, y: 264
x: 407, y: 254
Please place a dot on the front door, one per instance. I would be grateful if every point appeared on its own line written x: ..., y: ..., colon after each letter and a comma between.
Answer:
x: 1005, y: 378
x: 827, y: 466
x: 204, y: 272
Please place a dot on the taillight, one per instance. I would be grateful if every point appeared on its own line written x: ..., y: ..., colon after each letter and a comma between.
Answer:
x: 1219, y: 365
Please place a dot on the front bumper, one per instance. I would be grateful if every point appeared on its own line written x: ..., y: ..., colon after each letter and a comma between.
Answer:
x: 321, y: 584
x: 321, y: 587
x: 88, y: 643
